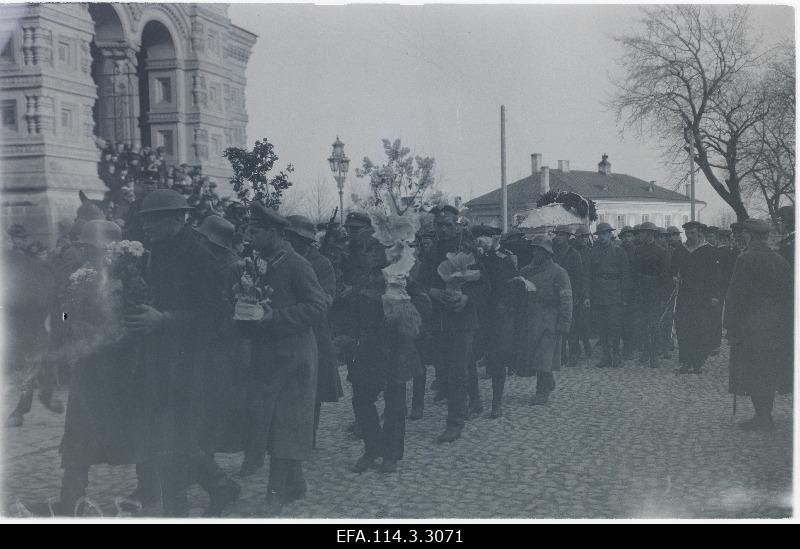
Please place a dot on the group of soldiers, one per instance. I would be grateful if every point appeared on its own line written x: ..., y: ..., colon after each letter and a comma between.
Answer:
x: 186, y: 380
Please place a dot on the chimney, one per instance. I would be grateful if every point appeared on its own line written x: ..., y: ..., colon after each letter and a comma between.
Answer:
x: 563, y: 165
x: 604, y: 166
x: 457, y: 203
x: 536, y: 163
x: 652, y: 188
x: 544, y: 180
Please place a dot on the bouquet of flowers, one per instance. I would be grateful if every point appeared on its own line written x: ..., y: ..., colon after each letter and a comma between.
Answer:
x: 455, y: 272
x: 126, y: 261
x: 251, y: 291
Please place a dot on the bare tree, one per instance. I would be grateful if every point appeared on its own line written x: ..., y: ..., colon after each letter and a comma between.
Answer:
x: 319, y: 201
x: 691, y: 76
x: 724, y: 218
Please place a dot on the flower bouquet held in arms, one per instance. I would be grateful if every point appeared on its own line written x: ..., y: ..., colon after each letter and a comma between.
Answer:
x: 126, y: 261
x: 455, y: 272
x: 251, y: 293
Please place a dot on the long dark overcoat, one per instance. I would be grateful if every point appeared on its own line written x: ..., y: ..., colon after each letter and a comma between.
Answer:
x: 759, y: 320
x: 699, y: 282
x: 284, y: 359
x: 548, y: 315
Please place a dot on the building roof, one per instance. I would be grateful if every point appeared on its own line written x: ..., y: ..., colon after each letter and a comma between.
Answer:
x: 592, y: 185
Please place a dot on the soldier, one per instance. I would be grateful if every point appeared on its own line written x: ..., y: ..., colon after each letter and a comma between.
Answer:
x: 759, y: 322
x: 650, y: 276
x: 302, y: 237
x: 548, y: 318
x: 630, y: 314
x: 712, y: 238
x: 494, y: 339
x: 284, y: 359
x: 581, y: 319
x: 609, y: 292
x: 627, y: 236
x: 454, y: 321
x: 174, y: 334
x: 565, y: 256
x: 698, y: 297
x: 425, y: 241
x: 672, y: 242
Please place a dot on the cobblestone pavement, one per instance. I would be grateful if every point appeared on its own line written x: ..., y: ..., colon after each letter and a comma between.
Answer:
x: 631, y: 442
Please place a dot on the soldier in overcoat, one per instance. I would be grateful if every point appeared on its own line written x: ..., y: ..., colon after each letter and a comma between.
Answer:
x: 581, y: 320
x: 548, y: 317
x: 759, y: 323
x: 565, y: 256
x: 283, y: 372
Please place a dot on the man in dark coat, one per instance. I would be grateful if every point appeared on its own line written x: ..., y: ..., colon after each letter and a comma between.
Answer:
x: 582, y: 319
x: 548, y: 307
x: 173, y: 337
x: 609, y: 292
x: 565, y: 256
x: 699, y: 285
x: 494, y: 339
x: 302, y: 237
x: 630, y: 243
x: 455, y: 316
x: 759, y: 323
x: 650, y: 276
x: 284, y: 360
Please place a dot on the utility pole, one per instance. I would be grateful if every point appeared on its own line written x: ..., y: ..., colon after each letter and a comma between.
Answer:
x: 503, y: 189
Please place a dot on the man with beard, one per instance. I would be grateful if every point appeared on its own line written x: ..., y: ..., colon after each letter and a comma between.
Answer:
x: 566, y: 257
x: 454, y: 318
x: 548, y: 318
x: 302, y: 237
x: 698, y: 298
x: 609, y: 292
x: 651, y: 275
x: 758, y: 318
x: 581, y: 321
x: 173, y: 334
x: 283, y: 371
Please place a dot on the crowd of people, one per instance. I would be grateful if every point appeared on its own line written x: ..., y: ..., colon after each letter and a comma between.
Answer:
x: 230, y: 338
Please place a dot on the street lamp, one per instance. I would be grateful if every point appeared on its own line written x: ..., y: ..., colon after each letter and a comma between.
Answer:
x: 339, y: 166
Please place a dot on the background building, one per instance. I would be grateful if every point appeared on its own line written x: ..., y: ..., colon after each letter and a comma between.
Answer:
x: 170, y: 75
x: 620, y: 199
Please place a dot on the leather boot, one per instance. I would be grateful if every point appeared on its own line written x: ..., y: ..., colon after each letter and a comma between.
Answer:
x: 451, y: 434
x: 276, y: 486
x: 296, y: 487
x: 50, y: 402
x: 497, y: 398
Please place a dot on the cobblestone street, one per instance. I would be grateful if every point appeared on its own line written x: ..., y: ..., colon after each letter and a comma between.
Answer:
x: 626, y: 443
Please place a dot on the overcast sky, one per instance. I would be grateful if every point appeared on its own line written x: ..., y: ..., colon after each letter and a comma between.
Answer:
x: 435, y: 76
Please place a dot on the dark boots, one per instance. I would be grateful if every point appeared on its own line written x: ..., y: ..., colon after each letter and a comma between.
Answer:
x: 276, y: 486
x: 498, y: 384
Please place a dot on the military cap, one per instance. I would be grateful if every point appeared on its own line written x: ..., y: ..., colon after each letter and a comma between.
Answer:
x: 672, y: 229
x: 661, y: 231
x: 603, y: 227
x: 647, y: 226
x: 266, y: 217
x: 582, y: 230
x: 484, y: 230
x: 566, y: 229
x: 625, y: 229
x: 164, y: 200
x: 301, y: 226
x: 446, y: 208
x: 712, y: 229
x: 542, y: 242
x: 357, y: 219
x: 756, y: 226
x: 100, y: 233
x: 218, y: 231
x: 694, y: 225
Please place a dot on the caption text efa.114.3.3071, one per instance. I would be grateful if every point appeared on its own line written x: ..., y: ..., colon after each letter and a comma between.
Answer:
x: 398, y: 536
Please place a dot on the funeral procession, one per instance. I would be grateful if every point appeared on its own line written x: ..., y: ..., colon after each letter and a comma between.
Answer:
x: 208, y: 313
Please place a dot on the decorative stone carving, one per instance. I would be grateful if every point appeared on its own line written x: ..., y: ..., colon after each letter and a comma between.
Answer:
x: 85, y: 57
x: 198, y: 37
x: 39, y: 114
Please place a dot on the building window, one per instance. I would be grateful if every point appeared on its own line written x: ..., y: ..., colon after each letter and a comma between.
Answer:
x: 645, y: 218
x: 164, y: 90
x: 667, y: 220
x: 165, y: 140
x: 66, y: 119
x: 9, y: 114
x: 64, y: 53
x: 7, y: 56
x: 620, y: 221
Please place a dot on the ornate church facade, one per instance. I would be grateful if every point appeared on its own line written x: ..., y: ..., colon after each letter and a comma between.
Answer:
x: 75, y: 75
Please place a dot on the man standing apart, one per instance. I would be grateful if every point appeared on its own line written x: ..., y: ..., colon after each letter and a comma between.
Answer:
x: 758, y: 318
x: 698, y: 298
x: 609, y: 291
x: 454, y: 321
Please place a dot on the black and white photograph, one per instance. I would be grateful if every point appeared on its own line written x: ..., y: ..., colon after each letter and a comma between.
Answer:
x: 397, y: 261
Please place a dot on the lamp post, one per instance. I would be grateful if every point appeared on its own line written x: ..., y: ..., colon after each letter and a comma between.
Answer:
x: 340, y: 164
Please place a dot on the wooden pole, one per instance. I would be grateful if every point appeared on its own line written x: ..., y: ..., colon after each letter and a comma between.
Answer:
x: 503, y: 189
